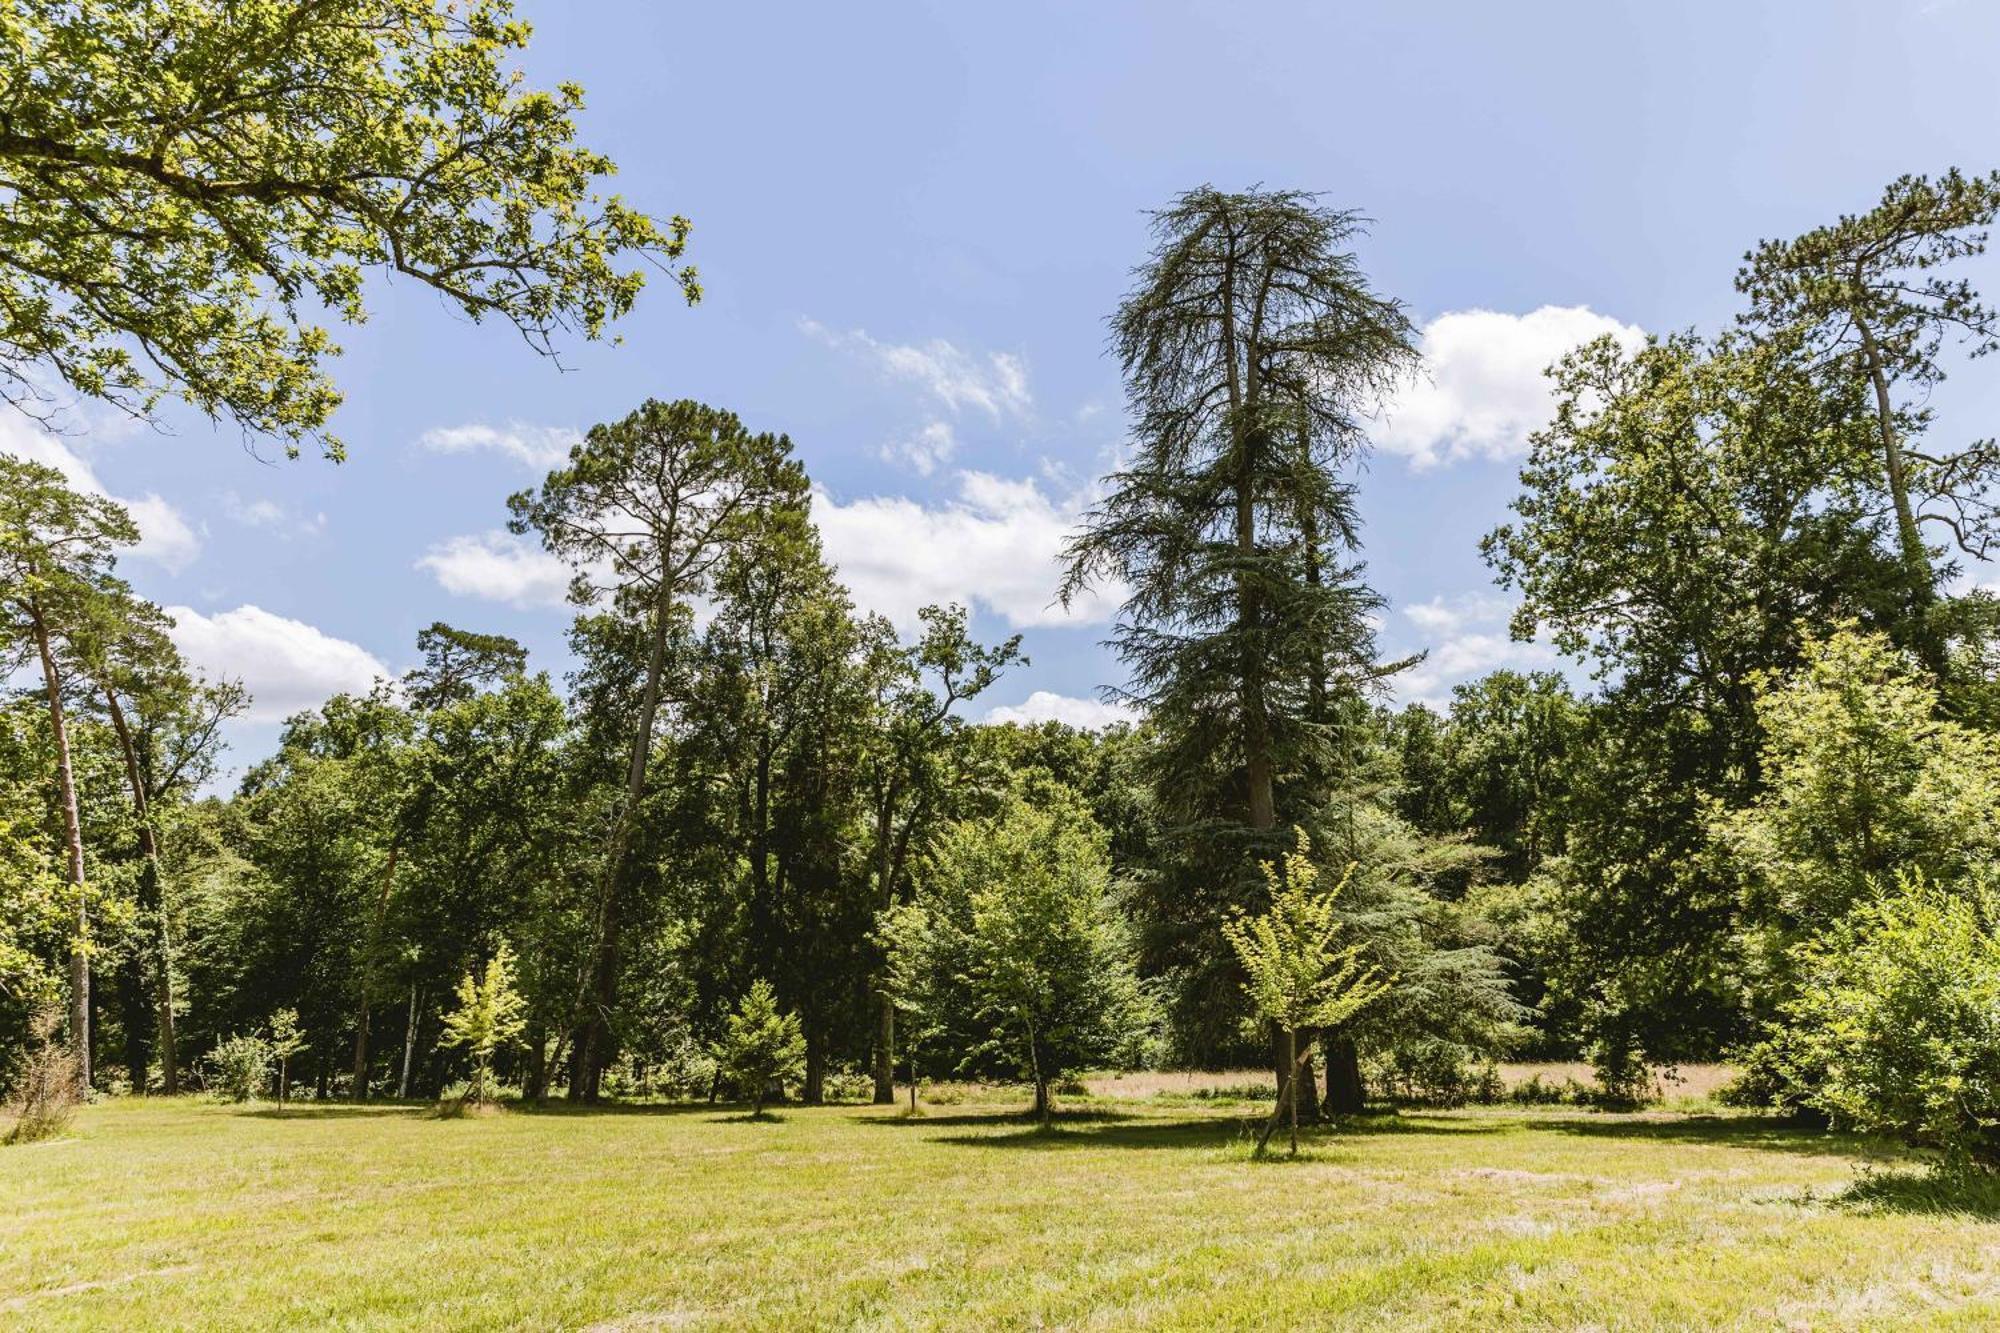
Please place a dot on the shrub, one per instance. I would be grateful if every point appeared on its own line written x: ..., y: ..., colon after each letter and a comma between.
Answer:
x: 1895, y: 1028
x: 847, y: 1083
x: 761, y: 1046
x: 51, y: 1083
x: 1429, y: 1072
x: 1536, y: 1091
x: 238, y: 1066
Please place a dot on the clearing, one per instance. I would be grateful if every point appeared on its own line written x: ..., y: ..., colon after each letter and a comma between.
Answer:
x: 1138, y: 1210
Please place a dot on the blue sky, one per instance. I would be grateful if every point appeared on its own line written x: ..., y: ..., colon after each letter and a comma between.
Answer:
x: 912, y: 221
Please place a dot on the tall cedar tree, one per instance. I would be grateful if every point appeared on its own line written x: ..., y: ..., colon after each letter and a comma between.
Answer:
x: 1252, y: 346
x: 645, y: 510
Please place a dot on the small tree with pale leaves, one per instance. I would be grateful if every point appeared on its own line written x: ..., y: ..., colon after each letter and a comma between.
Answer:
x: 488, y: 1017
x: 761, y: 1045
x: 1296, y: 973
x: 287, y: 1040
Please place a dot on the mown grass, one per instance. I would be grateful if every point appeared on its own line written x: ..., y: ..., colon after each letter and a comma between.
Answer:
x: 157, y: 1214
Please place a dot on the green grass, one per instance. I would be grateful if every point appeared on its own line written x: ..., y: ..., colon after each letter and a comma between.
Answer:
x: 1137, y: 1212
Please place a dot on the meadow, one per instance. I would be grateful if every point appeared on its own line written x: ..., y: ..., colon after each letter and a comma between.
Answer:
x: 1142, y: 1207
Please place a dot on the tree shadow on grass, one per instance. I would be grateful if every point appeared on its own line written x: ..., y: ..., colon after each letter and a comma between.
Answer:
x: 335, y: 1111
x: 557, y: 1108
x: 1765, y: 1133
x: 1925, y: 1193
x: 1118, y: 1129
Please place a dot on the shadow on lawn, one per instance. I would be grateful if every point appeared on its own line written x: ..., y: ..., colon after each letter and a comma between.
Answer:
x: 1924, y: 1193
x: 336, y: 1111
x: 1765, y: 1133
x: 1097, y: 1128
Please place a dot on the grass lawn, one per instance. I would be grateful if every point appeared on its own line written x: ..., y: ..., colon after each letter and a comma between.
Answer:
x: 1142, y: 1211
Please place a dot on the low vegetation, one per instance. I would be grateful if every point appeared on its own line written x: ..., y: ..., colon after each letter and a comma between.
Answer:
x: 1130, y: 1210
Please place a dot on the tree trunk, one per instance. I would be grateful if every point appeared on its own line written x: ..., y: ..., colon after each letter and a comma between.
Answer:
x: 536, y: 1085
x: 79, y: 954
x: 409, y: 1045
x: 814, y: 1091
x: 1345, y: 1094
x: 368, y: 973
x: 153, y: 911
x: 885, y: 1008
x: 1292, y: 1084
x: 1916, y: 561
x: 593, y: 1015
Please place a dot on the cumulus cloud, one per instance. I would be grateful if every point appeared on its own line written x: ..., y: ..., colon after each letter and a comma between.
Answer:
x: 165, y: 537
x: 1466, y: 637
x: 996, y: 545
x: 996, y: 383
x: 926, y: 450
x: 286, y: 665
x: 1482, y: 389
x: 498, y: 567
x: 539, y: 447
x: 1048, y: 706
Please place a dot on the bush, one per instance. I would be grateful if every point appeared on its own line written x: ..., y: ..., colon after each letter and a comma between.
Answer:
x: 238, y: 1067
x: 1535, y: 1091
x: 1896, y: 1025
x: 51, y: 1084
x: 1434, y: 1073
x: 847, y: 1083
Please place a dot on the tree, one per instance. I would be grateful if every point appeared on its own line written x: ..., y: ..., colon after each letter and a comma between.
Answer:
x: 1690, y: 506
x: 1868, y: 301
x: 57, y: 549
x: 916, y: 759
x: 761, y: 1046
x: 1025, y: 940
x: 1295, y: 974
x: 1862, y: 782
x: 1250, y: 348
x: 190, y: 181
x: 488, y: 1018
x: 1253, y: 349
x: 645, y: 510
x: 168, y: 728
x: 287, y: 1040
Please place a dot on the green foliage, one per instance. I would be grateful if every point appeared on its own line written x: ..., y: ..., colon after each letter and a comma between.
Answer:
x: 238, y: 1066
x: 1295, y: 974
x: 1862, y: 780
x: 287, y: 1040
x: 761, y: 1046
x: 1895, y: 1026
x: 1015, y: 950
x: 191, y: 180
x: 487, y: 1020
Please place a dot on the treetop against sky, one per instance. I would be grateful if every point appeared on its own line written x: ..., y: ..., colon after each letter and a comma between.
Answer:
x: 910, y: 229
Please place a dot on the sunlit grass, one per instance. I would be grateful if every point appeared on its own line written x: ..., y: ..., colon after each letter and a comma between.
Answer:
x: 1135, y: 1211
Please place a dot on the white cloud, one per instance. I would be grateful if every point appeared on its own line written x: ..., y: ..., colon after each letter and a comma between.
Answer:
x: 540, y: 447
x: 996, y: 383
x: 926, y: 450
x: 165, y: 538
x: 1482, y: 389
x: 286, y: 665
x: 998, y: 545
x: 499, y: 567
x: 269, y: 515
x: 1467, y: 638
x: 1048, y: 706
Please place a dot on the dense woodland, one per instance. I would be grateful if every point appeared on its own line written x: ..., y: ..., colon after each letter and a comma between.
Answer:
x: 752, y: 842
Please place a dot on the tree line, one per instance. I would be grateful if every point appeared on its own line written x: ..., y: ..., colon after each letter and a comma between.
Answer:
x: 754, y: 828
